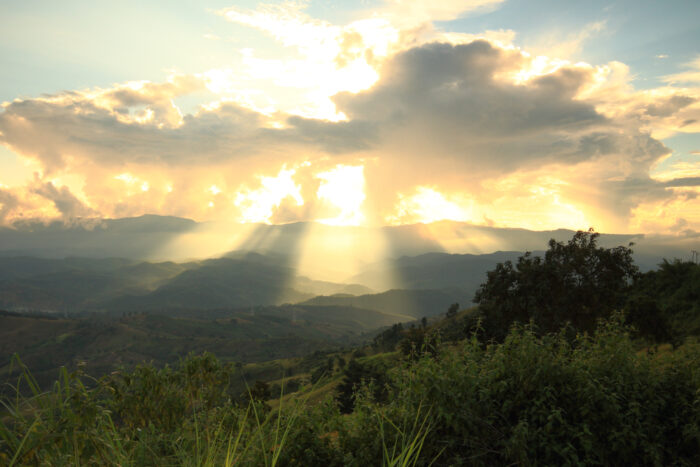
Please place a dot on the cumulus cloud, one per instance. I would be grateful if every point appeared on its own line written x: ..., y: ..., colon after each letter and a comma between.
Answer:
x: 333, y: 58
x: 455, y: 115
x: 56, y: 130
x: 450, y: 101
x: 482, y: 130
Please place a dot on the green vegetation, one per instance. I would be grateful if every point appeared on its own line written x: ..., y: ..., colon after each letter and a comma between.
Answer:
x: 593, y: 400
x: 577, y: 283
x: 104, y: 341
x: 664, y: 305
x: 559, y: 365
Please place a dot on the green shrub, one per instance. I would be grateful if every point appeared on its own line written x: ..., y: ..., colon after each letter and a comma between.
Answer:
x: 548, y: 400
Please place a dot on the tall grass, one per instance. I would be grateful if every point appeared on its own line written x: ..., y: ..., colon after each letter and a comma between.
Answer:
x: 82, y: 421
x: 405, y: 448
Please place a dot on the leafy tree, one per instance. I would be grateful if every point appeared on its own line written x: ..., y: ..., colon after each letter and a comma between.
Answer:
x: 576, y: 282
x: 648, y: 319
x: 664, y: 305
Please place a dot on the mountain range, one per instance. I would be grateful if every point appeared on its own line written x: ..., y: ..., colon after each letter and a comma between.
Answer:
x: 165, y: 238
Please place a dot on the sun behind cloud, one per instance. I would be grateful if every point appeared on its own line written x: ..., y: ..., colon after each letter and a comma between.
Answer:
x: 258, y: 205
x: 343, y: 187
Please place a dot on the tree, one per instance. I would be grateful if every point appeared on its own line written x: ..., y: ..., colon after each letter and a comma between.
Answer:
x: 386, y: 340
x: 664, y: 304
x: 576, y: 283
x: 452, y: 310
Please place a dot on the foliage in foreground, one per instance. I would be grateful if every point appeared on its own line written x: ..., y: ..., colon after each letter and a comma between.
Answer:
x: 548, y: 400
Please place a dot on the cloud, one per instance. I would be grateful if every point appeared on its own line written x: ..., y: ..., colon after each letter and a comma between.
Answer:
x: 65, y: 202
x: 74, y: 127
x: 331, y: 58
x: 441, y: 101
x: 669, y: 106
x: 423, y: 11
x: 455, y: 116
x: 687, y: 181
x: 690, y: 76
x: 567, y: 45
x: 480, y: 131
x: 38, y: 202
x: 8, y: 203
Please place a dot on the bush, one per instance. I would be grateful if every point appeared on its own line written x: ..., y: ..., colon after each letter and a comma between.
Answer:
x: 548, y: 400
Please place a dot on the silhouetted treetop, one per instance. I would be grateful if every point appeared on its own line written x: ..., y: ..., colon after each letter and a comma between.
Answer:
x: 576, y: 282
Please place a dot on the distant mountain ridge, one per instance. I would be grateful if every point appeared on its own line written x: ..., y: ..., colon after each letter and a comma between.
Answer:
x: 413, y: 303
x: 236, y: 281
x: 434, y: 270
x: 168, y: 238
x: 86, y: 284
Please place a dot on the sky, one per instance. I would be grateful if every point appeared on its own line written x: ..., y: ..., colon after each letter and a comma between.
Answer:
x: 505, y: 113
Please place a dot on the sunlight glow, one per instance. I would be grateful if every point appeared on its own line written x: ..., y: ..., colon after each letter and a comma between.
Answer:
x: 206, y: 240
x: 344, y: 188
x: 126, y: 178
x: 258, y: 205
x: 535, y: 67
x: 336, y: 254
x: 674, y: 216
x: 330, y: 59
x: 541, y: 204
x: 133, y: 182
x: 428, y: 205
